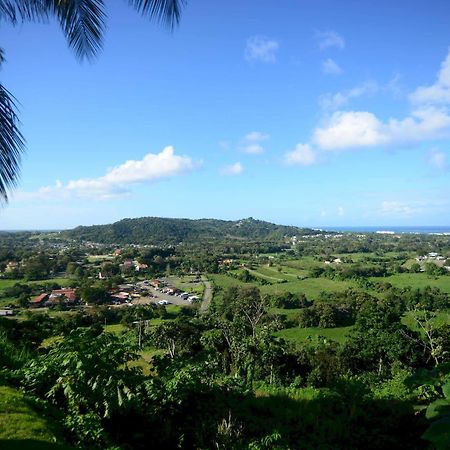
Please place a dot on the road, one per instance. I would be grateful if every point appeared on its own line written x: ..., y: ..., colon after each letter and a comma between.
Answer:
x: 207, y: 295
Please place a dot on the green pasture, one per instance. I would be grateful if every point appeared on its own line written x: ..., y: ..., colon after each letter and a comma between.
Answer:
x: 311, y: 287
x: 5, y: 301
x: 22, y: 425
x: 304, y: 263
x: 6, y: 283
x: 185, y: 284
x: 116, y: 328
x: 417, y: 281
x: 100, y: 258
x: 301, y: 335
x: 440, y: 318
x: 290, y: 314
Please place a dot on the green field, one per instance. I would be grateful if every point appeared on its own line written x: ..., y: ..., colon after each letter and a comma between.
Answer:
x: 417, y: 281
x: 311, y: 287
x: 184, y: 283
x: 6, y: 283
x: 100, y: 258
x: 290, y: 314
x: 22, y: 425
x: 116, y: 328
x: 299, y: 335
x: 441, y: 318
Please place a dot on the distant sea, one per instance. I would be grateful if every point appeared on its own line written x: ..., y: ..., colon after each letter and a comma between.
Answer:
x: 394, y: 229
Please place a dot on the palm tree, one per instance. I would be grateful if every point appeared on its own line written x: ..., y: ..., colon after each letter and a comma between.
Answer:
x: 83, y: 24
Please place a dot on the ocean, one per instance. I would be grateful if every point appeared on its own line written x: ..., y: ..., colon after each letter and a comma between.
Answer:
x: 393, y: 229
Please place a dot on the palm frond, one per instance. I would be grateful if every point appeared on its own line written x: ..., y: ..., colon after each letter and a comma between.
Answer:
x: 12, y: 144
x: 83, y: 23
x: 8, y: 11
x: 167, y: 12
x: 15, y: 11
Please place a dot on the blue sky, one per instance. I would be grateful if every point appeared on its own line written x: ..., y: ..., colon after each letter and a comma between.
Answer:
x: 312, y: 113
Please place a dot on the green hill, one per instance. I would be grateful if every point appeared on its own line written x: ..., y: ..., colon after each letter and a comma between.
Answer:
x: 157, y: 230
x: 23, y: 425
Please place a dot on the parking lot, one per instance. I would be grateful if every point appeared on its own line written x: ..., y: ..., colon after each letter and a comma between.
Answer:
x: 158, y: 296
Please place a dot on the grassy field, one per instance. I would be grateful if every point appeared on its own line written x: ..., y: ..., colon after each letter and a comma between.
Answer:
x: 145, y: 361
x: 289, y: 313
x: 6, y: 283
x: 185, y: 284
x: 5, y: 301
x: 311, y: 287
x: 417, y: 280
x: 100, y: 258
x: 116, y: 328
x: 292, y: 276
x: 274, y: 277
x: 299, y: 335
x: 442, y: 318
x: 286, y: 272
x: 22, y: 425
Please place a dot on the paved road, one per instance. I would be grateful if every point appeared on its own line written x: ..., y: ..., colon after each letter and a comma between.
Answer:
x: 207, y: 295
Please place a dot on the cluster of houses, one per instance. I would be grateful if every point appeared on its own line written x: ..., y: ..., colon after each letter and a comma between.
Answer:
x: 335, y: 261
x: 433, y: 257
x: 123, y: 294
x: 11, y: 266
x: 64, y: 296
x: 126, y: 266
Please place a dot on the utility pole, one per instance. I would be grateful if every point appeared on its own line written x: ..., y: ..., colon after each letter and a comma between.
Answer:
x: 140, y: 334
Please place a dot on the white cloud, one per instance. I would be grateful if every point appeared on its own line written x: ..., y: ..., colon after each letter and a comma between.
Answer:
x: 232, y: 169
x: 398, y: 209
x: 330, y: 102
x: 349, y: 129
x: 330, y: 67
x: 118, y: 180
x: 438, y: 159
x: 437, y: 93
x: 251, y: 143
x: 329, y: 39
x: 429, y: 117
x: 262, y: 49
x: 340, y: 211
x: 421, y: 124
x: 302, y: 155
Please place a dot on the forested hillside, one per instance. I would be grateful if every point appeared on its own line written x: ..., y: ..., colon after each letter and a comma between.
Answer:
x: 157, y: 230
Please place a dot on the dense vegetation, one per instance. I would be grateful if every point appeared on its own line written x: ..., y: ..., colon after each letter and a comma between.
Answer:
x: 304, y: 346
x: 156, y: 230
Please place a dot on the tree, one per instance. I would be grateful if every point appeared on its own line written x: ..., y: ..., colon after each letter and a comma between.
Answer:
x: 435, y: 340
x: 83, y: 23
x: 88, y: 377
x: 379, y: 339
x: 438, y: 411
x: 176, y: 337
x: 94, y: 294
x: 250, y: 305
